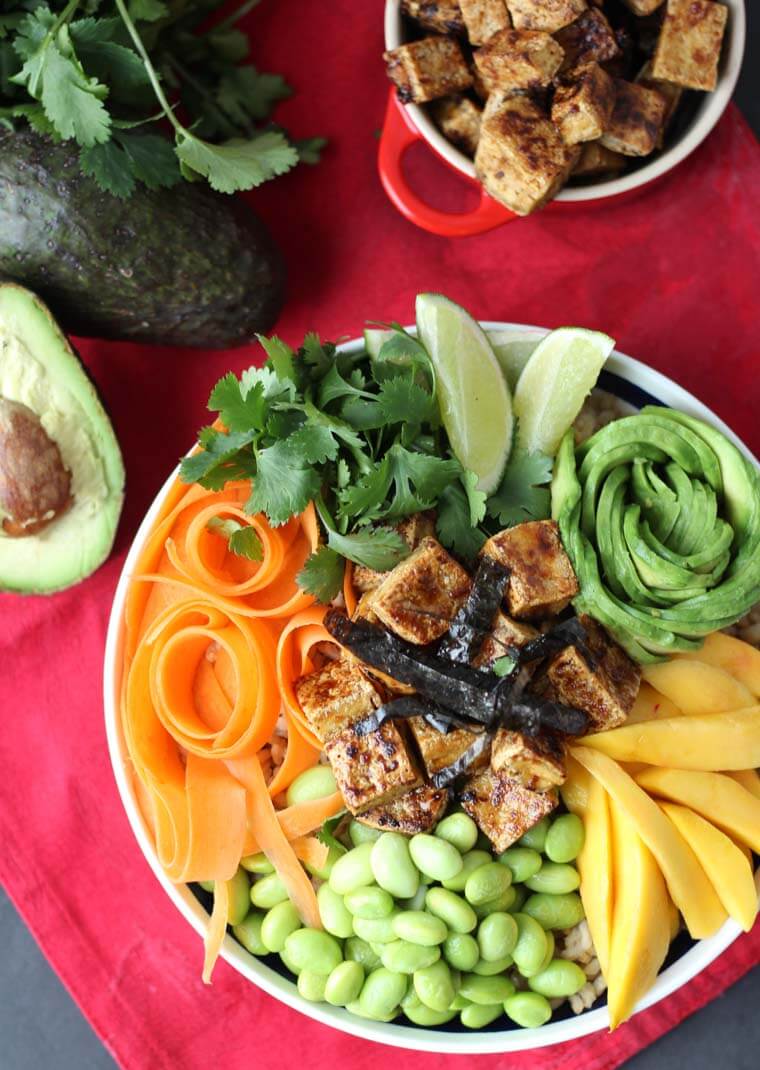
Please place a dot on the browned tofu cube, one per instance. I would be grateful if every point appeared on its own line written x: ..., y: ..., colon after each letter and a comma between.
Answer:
x: 484, y: 18
x: 670, y: 92
x: 643, y: 7
x: 440, y: 749
x: 335, y: 696
x: 541, y: 578
x: 688, y: 48
x: 412, y: 530
x: 372, y: 769
x: 637, y: 120
x: 442, y: 16
x: 458, y: 119
x: 595, y: 161
x: 589, y: 39
x: 606, y: 690
x: 364, y: 611
x: 549, y: 15
x: 518, y: 59
x: 521, y: 160
x: 419, y: 598
x: 427, y: 69
x: 503, y: 809
x: 506, y: 633
x: 583, y: 103
x: 536, y: 762
x: 418, y: 810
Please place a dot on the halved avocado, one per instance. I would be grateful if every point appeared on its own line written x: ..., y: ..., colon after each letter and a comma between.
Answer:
x: 61, y: 471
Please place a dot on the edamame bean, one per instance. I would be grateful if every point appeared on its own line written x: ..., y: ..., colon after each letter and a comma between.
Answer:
x: 522, y: 861
x: 248, y: 933
x: 550, y: 944
x: 565, y: 838
x: 528, y: 1009
x: 451, y: 908
x: 258, y: 863
x: 277, y: 925
x: 497, y: 936
x: 359, y: 833
x: 417, y: 901
x: 461, y: 951
x: 489, y: 969
x: 521, y: 894
x: 352, y: 870
x: 288, y: 963
x: 530, y: 950
x: 419, y: 927
x: 359, y: 950
x: 458, y: 1003
x: 344, y: 983
x: 369, y: 902
x: 460, y: 830
x: 555, y: 879
x: 376, y: 930
x: 239, y: 897
x: 555, y: 911
x: 435, y: 986
x: 311, y: 949
x: 382, y: 992
x: 535, y: 837
x: 560, y: 978
x: 392, y: 865
x: 314, y: 783
x: 471, y: 861
x: 485, y: 990
x: 417, y: 1012
x: 403, y: 957
x: 487, y: 882
x: 356, y: 1008
x: 311, y: 985
x: 435, y: 857
x: 477, y: 1016
x: 268, y: 891
x: 501, y: 902
x: 333, y: 913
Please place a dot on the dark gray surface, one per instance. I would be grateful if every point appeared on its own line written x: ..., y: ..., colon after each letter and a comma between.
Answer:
x: 41, y: 1027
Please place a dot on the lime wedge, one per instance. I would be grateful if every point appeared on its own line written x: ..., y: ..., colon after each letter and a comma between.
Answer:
x: 374, y: 339
x: 513, y: 347
x: 476, y: 408
x: 555, y: 382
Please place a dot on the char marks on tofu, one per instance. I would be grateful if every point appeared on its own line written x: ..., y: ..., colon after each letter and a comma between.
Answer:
x: 372, y: 769
x: 637, y: 119
x: 502, y: 808
x: 583, y: 103
x: 441, y: 16
x: 587, y: 40
x: 518, y: 59
x: 541, y: 578
x: 335, y: 696
x: 458, y: 118
x: 688, y: 48
x: 419, y: 810
x: 428, y: 69
x: 549, y: 15
x: 484, y: 18
x: 536, y: 762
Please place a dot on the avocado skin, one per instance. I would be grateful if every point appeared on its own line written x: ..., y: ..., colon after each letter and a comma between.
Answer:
x: 180, y: 267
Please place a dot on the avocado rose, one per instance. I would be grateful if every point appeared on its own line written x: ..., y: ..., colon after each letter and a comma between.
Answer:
x: 660, y: 515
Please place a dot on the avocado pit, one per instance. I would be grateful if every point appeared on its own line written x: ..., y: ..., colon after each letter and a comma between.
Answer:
x: 35, y: 485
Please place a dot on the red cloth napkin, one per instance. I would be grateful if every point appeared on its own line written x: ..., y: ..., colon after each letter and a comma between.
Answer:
x: 672, y: 275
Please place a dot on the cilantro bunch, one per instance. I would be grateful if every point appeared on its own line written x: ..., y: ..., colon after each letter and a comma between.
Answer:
x: 361, y: 437
x: 113, y: 75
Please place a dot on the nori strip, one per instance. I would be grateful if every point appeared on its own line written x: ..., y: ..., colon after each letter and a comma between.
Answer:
x: 472, y: 623
x: 411, y: 706
x: 533, y: 715
x: 568, y: 633
x: 461, y: 765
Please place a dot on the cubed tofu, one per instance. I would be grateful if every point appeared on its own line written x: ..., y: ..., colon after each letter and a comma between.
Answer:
x: 536, y: 762
x: 670, y: 92
x: 440, y: 749
x: 441, y: 16
x: 606, y: 690
x: 418, y: 810
x: 521, y: 160
x: 583, y: 103
x: 364, y: 611
x: 412, y: 530
x: 373, y: 769
x: 458, y: 119
x: 541, y: 578
x: 503, y: 809
x: 643, y: 7
x: 335, y: 696
x: 637, y: 120
x: 484, y: 18
x: 595, y: 161
x: 589, y: 39
x: 506, y: 633
x: 549, y: 15
x: 688, y: 48
x: 518, y: 59
x: 427, y: 69
x: 419, y: 598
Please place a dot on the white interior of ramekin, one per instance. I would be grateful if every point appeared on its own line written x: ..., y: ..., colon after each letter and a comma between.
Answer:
x: 707, y: 114
x: 404, y: 1036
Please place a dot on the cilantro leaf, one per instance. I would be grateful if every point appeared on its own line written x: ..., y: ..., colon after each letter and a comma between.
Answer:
x: 326, y: 834
x: 402, y: 401
x: 106, y: 164
x: 322, y: 574
x: 314, y: 443
x: 475, y: 498
x: 151, y: 158
x: 244, y: 93
x: 316, y: 355
x: 275, y: 389
x: 503, y: 666
x: 239, y: 409
x: 522, y: 494
x: 221, y: 459
x: 283, y: 486
x: 147, y: 10
x: 418, y: 480
x: 242, y: 539
x: 361, y: 414
x: 113, y: 63
x: 334, y: 386
x: 237, y: 164
x: 72, y: 101
x: 279, y: 356
x: 454, y: 523
x: 309, y: 149
x: 378, y: 548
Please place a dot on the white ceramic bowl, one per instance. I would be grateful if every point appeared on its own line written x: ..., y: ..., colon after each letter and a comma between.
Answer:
x: 632, y: 381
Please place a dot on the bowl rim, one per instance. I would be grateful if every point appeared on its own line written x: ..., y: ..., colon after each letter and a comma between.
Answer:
x: 707, y: 115
x: 674, y: 976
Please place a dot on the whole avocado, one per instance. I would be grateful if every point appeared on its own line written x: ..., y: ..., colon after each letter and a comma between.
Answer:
x: 182, y: 267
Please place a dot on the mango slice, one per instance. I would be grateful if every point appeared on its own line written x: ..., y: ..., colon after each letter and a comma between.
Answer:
x: 749, y: 779
x: 710, y: 741
x: 718, y: 798
x: 734, y: 656
x: 650, y: 705
x: 687, y: 882
x: 723, y: 862
x: 641, y: 919
x: 697, y: 687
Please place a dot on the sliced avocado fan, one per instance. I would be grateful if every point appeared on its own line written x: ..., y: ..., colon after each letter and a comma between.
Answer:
x: 61, y: 471
x: 660, y: 515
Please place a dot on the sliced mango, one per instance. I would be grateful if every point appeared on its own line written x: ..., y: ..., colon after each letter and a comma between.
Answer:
x: 687, y: 882
x: 734, y: 656
x: 723, y: 862
x: 650, y: 705
x: 711, y: 741
x: 641, y: 919
x: 697, y: 687
x: 718, y: 798
x: 749, y: 779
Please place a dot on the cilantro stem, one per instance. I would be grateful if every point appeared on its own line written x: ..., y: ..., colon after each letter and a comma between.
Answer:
x: 64, y: 16
x: 150, y: 70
